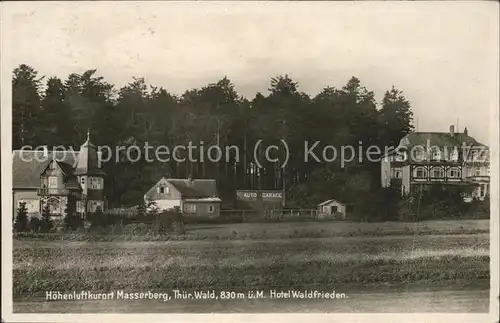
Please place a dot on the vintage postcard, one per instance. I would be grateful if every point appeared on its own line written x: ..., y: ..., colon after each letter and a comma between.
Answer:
x: 250, y: 161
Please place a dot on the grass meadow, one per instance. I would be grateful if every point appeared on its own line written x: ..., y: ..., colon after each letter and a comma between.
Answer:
x: 265, y: 231
x: 451, y: 259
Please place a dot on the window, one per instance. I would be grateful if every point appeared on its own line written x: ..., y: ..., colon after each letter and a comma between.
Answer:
x: 95, y: 183
x: 52, y: 182
x: 454, y: 154
x: 397, y: 173
x: 477, y: 171
x: 334, y: 209
x: 94, y: 205
x: 437, y: 172
x: 454, y: 173
x: 162, y: 190
x: 210, y: 208
x: 190, y: 208
x: 420, y: 172
x: 436, y: 154
x: 483, y: 189
x: 52, y: 165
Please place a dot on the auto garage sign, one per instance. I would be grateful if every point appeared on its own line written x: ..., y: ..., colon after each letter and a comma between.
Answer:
x: 263, y: 195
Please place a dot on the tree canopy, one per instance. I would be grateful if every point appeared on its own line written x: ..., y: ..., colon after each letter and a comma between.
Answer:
x: 59, y: 112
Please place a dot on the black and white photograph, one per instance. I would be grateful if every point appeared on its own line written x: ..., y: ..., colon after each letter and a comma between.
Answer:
x: 240, y: 159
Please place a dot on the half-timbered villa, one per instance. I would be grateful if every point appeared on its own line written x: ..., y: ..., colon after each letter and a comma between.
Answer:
x: 71, y: 180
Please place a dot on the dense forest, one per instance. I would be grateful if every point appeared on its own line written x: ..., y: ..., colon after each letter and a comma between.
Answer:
x: 52, y: 111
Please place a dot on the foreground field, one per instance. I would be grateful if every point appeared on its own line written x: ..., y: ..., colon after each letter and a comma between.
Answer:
x: 347, y: 263
x: 332, y: 229
x: 266, y: 231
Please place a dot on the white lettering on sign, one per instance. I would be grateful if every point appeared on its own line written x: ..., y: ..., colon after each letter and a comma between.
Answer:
x: 272, y: 195
x: 253, y: 196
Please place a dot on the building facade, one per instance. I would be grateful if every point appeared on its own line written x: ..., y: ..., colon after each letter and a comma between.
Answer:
x: 63, y: 180
x: 431, y: 158
x: 192, y: 196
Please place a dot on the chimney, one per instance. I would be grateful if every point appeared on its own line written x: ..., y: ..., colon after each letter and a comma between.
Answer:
x: 452, y: 130
x: 45, y: 152
x: 466, y: 132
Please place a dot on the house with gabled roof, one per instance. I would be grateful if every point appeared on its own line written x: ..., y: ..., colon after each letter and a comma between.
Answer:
x: 62, y: 180
x: 332, y: 208
x: 432, y: 158
x: 192, y: 196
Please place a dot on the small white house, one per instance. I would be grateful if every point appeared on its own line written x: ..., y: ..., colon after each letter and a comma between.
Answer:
x: 332, y: 208
x: 192, y: 196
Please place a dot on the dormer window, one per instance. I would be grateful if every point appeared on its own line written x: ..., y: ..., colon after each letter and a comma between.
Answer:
x: 401, y: 156
x: 419, y: 154
x: 436, y: 154
x: 454, y: 155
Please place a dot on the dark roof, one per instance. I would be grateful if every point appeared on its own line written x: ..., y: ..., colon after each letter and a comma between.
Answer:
x: 66, y: 168
x: 195, y: 187
x: 440, y: 139
x: 28, y: 165
x: 88, y: 160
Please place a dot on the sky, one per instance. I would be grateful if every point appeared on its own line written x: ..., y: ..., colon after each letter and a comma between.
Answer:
x: 442, y: 55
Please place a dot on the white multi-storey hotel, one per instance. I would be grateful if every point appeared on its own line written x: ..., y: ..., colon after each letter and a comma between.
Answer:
x: 430, y: 158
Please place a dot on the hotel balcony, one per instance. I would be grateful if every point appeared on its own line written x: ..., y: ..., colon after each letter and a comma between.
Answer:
x: 58, y: 192
x: 53, y: 191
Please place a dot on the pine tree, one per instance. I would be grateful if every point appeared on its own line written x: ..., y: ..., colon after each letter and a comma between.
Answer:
x: 25, y: 106
x: 46, y: 218
x: 56, y: 126
x: 152, y: 207
x: 69, y: 220
x: 395, y: 118
x: 21, y: 223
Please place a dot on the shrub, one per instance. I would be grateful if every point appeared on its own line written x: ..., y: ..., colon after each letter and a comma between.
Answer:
x: 136, y: 229
x: 36, y: 224
x: 72, y: 221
